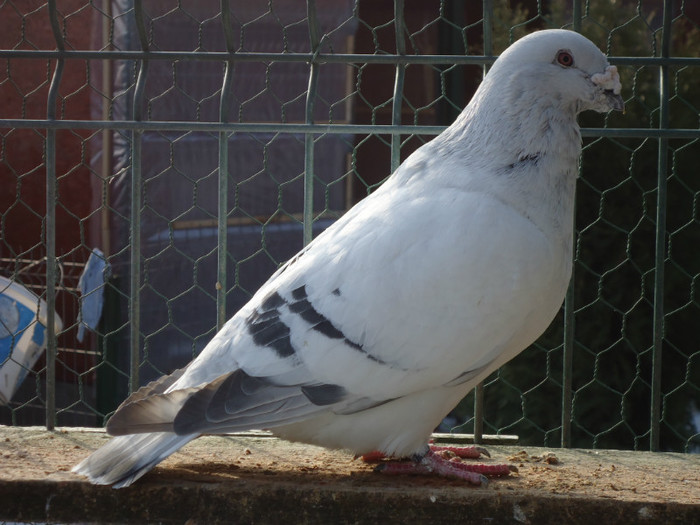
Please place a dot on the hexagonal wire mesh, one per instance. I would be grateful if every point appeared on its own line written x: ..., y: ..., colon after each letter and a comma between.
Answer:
x: 118, y: 117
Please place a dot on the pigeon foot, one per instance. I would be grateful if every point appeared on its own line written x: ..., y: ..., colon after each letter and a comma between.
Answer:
x: 444, y: 462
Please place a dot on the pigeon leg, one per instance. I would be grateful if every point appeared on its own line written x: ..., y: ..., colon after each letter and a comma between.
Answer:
x: 440, y: 463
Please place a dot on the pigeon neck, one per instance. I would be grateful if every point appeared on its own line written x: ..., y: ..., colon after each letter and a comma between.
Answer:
x: 515, y: 118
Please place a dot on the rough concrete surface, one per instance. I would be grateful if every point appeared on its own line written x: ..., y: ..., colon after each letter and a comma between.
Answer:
x: 257, y: 479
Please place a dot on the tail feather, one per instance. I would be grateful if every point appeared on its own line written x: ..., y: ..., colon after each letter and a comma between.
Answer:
x: 124, y: 459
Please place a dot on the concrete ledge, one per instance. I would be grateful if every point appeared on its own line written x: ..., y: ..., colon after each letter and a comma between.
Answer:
x: 256, y: 479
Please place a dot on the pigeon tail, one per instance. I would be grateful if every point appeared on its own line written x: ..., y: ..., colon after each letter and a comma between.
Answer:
x: 125, y: 459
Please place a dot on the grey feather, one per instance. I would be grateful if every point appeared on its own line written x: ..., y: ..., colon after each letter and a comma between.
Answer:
x: 116, y: 464
x: 149, y: 409
x: 238, y: 399
x: 158, y: 386
x: 154, y: 413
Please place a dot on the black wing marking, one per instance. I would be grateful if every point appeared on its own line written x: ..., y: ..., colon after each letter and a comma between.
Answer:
x: 322, y: 324
x: 268, y: 330
x: 325, y: 394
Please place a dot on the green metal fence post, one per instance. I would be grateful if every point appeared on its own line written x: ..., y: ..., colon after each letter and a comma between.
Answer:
x: 397, y: 106
x: 660, y: 248
x: 136, y: 205
x: 568, y: 343
x: 50, y: 226
x: 222, y: 217
x: 315, y: 41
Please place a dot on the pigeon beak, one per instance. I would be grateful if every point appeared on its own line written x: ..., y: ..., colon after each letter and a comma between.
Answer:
x: 609, y: 82
x: 614, y: 100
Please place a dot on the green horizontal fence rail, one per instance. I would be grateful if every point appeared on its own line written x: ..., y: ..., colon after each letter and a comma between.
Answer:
x: 316, y: 58
x: 320, y: 129
x: 476, y: 39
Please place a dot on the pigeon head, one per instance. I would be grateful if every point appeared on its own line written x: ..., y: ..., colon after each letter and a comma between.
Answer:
x: 531, y: 96
x: 564, y: 66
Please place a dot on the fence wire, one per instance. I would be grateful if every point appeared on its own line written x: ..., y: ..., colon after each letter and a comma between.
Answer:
x: 158, y: 160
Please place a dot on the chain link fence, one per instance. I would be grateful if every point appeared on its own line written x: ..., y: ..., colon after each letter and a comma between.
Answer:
x: 158, y: 160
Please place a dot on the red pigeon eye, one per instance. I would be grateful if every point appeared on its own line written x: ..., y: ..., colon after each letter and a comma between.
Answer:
x: 565, y: 59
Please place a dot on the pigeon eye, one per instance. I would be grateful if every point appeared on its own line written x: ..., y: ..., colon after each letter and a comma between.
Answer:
x: 565, y: 59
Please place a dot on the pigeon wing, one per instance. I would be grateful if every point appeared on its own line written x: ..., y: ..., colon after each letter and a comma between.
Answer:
x: 327, y: 334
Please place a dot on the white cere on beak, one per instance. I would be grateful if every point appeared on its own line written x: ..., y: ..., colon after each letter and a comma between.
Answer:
x: 609, y: 80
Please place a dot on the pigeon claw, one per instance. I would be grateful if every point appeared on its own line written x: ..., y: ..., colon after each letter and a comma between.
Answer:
x: 483, y: 451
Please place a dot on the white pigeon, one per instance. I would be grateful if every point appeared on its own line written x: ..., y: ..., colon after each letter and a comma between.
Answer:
x: 368, y: 337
